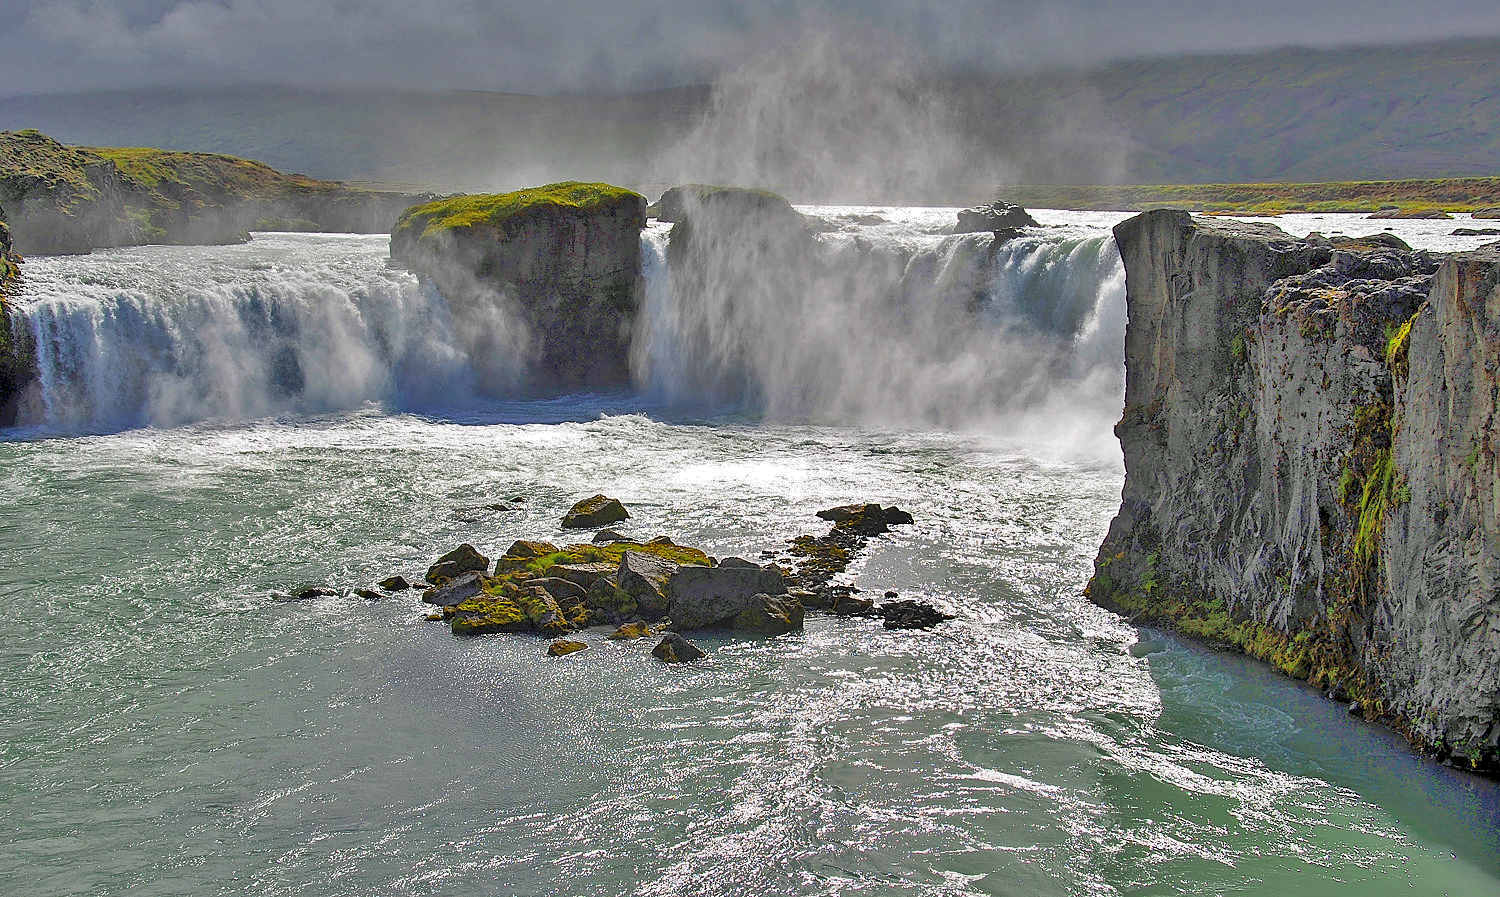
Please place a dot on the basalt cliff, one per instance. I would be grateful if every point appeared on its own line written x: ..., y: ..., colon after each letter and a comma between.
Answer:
x: 1310, y: 465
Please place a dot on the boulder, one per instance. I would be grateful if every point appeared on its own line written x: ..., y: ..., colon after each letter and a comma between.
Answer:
x: 584, y: 574
x: 546, y: 616
x: 395, y: 584
x: 629, y: 632
x: 564, y: 591
x: 484, y: 615
x: 676, y: 649
x: 1476, y: 232
x: 600, y: 510
x: 369, y: 594
x: 847, y: 605
x: 526, y: 549
x: 307, y: 593
x: 703, y: 597
x: 463, y: 559
x: 770, y: 615
x: 995, y: 216
x: 606, y: 536
x: 608, y: 602
x: 455, y: 591
x: 644, y: 577
x: 563, y: 647
x: 911, y: 615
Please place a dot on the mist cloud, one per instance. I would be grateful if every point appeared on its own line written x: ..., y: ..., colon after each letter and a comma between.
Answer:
x: 553, y: 46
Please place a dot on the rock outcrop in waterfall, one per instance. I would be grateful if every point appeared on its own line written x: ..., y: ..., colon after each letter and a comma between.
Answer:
x: 550, y: 275
x: 1311, y: 466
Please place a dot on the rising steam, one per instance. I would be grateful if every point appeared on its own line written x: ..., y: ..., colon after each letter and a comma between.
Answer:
x: 831, y: 120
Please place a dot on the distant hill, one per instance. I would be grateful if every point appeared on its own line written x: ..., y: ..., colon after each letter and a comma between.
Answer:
x: 1301, y: 115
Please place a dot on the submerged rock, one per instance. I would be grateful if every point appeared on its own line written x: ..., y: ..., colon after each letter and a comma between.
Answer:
x: 676, y: 649
x: 463, y: 559
x: 307, y: 593
x: 600, y: 510
x: 563, y: 647
x: 995, y: 216
x: 369, y: 594
x: 906, y: 614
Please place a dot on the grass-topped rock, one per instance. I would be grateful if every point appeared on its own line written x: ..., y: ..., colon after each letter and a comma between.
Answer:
x: 70, y: 199
x: 596, y: 511
x: 560, y: 262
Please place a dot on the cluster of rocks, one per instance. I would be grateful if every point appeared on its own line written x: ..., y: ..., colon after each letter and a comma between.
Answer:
x: 650, y: 588
x: 814, y: 562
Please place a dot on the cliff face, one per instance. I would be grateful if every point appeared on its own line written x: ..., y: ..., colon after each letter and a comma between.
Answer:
x: 65, y: 199
x: 548, y: 277
x: 16, y: 369
x: 1308, y: 474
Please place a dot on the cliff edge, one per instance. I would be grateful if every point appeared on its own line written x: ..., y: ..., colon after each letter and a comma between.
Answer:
x: 69, y: 199
x: 1310, y: 476
x: 16, y: 368
x: 549, y: 275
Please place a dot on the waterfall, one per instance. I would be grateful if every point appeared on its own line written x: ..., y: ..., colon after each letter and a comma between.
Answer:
x: 166, y: 336
x: 871, y: 317
x: 880, y: 322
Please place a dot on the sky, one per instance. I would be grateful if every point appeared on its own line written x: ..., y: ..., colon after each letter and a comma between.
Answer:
x: 611, y: 46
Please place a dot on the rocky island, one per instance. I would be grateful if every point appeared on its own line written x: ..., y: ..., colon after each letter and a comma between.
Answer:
x: 1310, y: 468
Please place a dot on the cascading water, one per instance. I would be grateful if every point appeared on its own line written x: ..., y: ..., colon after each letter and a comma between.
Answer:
x: 880, y: 319
x: 886, y: 320
x: 288, y: 324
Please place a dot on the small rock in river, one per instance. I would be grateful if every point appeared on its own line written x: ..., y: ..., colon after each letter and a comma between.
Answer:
x: 911, y: 615
x: 563, y: 647
x: 395, y: 584
x: 598, y: 510
x: 676, y: 649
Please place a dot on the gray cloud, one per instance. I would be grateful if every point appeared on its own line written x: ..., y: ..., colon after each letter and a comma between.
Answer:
x: 549, y: 46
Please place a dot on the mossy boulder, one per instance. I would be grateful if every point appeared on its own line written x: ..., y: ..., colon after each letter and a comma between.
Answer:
x: 562, y: 262
x: 487, y: 614
x: 563, y: 647
x: 595, y: 511
x: 629, y: 632
x: 456, y: 590
x: 463, y: 559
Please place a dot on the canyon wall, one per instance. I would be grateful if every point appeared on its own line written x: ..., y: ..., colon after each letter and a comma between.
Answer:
x: 1309, y: 473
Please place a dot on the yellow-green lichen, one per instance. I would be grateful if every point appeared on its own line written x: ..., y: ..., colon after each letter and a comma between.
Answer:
x: 493, y: 209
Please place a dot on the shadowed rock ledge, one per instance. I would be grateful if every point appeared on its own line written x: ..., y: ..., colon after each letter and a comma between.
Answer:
x: 1310, y: 466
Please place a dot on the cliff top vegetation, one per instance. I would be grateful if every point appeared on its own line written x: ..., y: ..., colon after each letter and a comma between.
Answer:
x: 494, y: 209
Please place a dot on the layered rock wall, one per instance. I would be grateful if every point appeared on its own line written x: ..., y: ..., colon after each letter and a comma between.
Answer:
x: 1305, y: 435
x: 16, y: 367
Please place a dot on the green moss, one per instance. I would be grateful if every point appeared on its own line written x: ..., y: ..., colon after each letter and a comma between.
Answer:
x: 1237, y: 348
x: 493, y: 210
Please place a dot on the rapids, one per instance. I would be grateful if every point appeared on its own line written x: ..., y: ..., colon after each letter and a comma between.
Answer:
x: 216, y: 423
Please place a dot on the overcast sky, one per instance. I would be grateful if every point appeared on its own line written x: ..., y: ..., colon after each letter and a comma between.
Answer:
x: 552, y: 46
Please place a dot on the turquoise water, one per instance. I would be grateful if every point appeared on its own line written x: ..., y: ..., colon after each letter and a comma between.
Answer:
x: 168, y: 729
x: 221, y: 424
